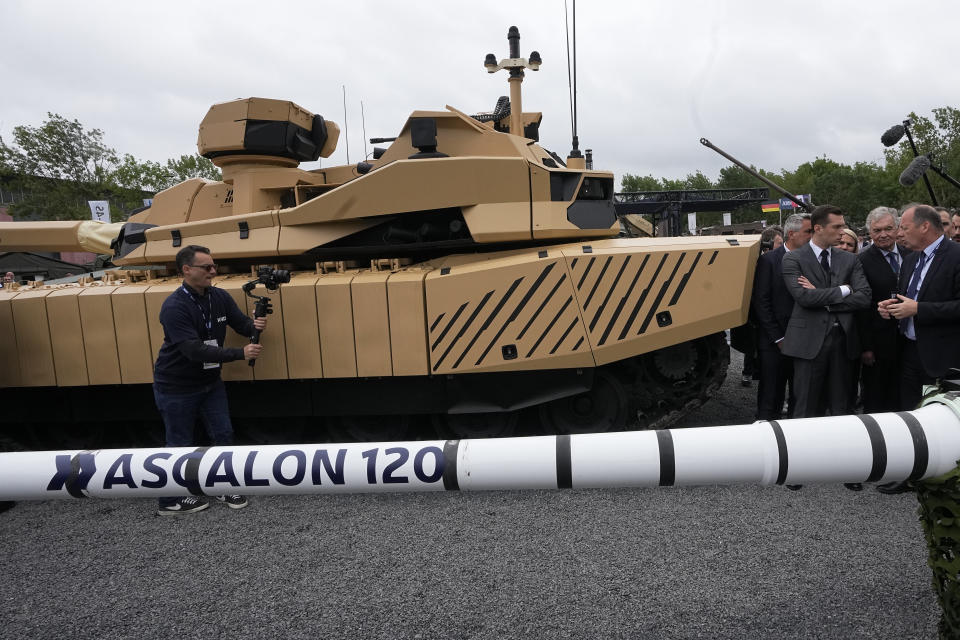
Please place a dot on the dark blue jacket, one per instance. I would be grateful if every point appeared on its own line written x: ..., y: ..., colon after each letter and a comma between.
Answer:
x: 938, y: 308
x: 772, y: 303
x: 184, y: 316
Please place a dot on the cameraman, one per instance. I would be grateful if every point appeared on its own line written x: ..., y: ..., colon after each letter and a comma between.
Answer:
x: 186, y: 376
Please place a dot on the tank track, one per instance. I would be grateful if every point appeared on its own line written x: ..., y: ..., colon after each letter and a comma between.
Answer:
x: 667, y: 384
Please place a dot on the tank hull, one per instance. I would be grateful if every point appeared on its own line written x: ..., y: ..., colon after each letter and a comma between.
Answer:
x: 487, y: 332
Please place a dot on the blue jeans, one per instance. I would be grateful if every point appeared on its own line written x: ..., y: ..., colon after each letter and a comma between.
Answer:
x: 180, y: 412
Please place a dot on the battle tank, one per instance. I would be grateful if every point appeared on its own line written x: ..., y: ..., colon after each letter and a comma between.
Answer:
x: 465, y: 274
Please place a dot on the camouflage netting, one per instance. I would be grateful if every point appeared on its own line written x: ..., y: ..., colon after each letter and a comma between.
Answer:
x: 940, y: 516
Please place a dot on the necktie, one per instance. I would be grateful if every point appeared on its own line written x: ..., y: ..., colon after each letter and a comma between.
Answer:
x: 915, y: 279
x: 912, y: 289
x: 825, y: 262
x: 892, y: 259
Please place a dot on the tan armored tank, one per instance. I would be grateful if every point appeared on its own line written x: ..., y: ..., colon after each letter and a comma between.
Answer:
x: 465, y: 273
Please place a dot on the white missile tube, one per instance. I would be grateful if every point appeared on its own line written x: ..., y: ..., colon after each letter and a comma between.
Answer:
x: 870, y: 448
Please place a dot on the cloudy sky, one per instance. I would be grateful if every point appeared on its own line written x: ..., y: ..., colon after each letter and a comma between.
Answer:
x: 775, y: 83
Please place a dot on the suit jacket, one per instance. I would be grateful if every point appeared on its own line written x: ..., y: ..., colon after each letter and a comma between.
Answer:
x: 810, y: 321
x: 876, y: 334
x: 938, y: 308
x: 771, y: 303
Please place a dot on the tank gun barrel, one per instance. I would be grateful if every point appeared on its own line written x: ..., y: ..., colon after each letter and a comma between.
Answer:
x: 883, y: 447
x: 770, y: 183
x: 71, y: 235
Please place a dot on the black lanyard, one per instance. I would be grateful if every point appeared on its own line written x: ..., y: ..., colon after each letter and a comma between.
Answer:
x: 206, y: 315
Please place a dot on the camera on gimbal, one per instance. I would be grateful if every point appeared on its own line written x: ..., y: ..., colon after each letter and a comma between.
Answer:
x: 269, y: 277
x: 272, y: 279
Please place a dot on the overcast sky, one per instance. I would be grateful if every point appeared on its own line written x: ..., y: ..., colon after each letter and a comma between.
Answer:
x: 775, y: 83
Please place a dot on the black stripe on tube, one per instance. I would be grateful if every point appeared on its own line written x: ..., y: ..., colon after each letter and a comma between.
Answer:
x: 72, y: 482
x: 921, y: 452
x: 191, y: 471
x: 564, y: 466
x: 879, y: 446
x: 781, y: 450
x: 450, y: 450
x: 668, y: 461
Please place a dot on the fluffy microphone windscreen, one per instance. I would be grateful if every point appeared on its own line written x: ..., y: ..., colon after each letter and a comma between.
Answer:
x: 892, y: 135
x: 914, y: 170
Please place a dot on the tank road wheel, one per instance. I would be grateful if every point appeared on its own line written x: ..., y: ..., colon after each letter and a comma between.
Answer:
x: 605, y: 407
x: 368, y: 428
x: 670, y: 382
x: 500, y: 424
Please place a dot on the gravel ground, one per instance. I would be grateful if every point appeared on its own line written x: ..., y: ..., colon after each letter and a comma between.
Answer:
x: 706, y: 562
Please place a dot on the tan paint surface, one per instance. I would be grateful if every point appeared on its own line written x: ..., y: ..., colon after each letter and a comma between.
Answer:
x: 335, y: 324
x: 408, y: 323
x: 371, y: 324
x: 133, y: 334
x: 99, y: 335
x: 33, y: 339
x: 153, y: 299
x: 9, y: 359
x: 300, y: 327
x: 495, y: 304
x: 66, y: 338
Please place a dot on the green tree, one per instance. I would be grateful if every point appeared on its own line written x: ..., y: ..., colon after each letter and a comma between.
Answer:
x: 60, y: 165
x: 940, y: 137
x: 153, y: 176
x: 630, y: 183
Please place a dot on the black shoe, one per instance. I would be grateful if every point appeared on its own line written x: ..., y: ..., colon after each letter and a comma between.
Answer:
x: 183, y: 506
x: 853, y: 486
x: 234, y: 502
x: 893, y: 488
x: 794, y: 487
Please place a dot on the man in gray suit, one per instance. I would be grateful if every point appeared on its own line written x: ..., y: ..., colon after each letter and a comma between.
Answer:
x: 827, y: 285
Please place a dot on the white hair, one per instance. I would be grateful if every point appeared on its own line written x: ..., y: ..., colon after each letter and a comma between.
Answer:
x: 880, y: 213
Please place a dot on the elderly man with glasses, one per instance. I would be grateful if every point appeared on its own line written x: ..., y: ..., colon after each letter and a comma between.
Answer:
x: 880, y: 359
x: 186, y: 377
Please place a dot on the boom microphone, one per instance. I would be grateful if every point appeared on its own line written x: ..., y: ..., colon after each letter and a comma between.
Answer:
x: 892, y: 135
x: 915, y: 170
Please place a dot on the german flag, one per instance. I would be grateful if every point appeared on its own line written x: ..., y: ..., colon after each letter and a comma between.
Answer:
x: 770, y: 207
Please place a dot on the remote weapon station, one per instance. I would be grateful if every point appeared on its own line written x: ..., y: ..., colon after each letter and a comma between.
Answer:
x: 463, y: 274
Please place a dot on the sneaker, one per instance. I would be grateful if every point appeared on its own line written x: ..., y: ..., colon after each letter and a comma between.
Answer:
x: 190, y: 504
x: 234, y: 502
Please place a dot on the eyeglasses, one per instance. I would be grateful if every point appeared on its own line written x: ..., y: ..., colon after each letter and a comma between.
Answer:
x: 209, y: 268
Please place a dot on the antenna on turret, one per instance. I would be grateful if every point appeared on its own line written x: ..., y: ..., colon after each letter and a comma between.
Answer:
x: 516, y: 65
x: 575, y: 159
x: 363, y: 123
x: 346, y: 129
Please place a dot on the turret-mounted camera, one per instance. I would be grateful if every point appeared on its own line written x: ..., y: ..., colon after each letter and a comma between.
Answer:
x: 272, y: 279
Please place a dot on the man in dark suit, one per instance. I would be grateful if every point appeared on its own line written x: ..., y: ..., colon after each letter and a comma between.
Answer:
x: 928, y: 307
x: 878, y: 336
x: 827, y: 286
x: 772, y: 305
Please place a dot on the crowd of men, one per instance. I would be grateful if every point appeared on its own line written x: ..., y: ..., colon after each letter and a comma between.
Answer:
x: 844, y: 323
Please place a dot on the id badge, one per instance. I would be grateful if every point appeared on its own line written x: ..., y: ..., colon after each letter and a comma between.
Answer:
x: 211, y: 365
